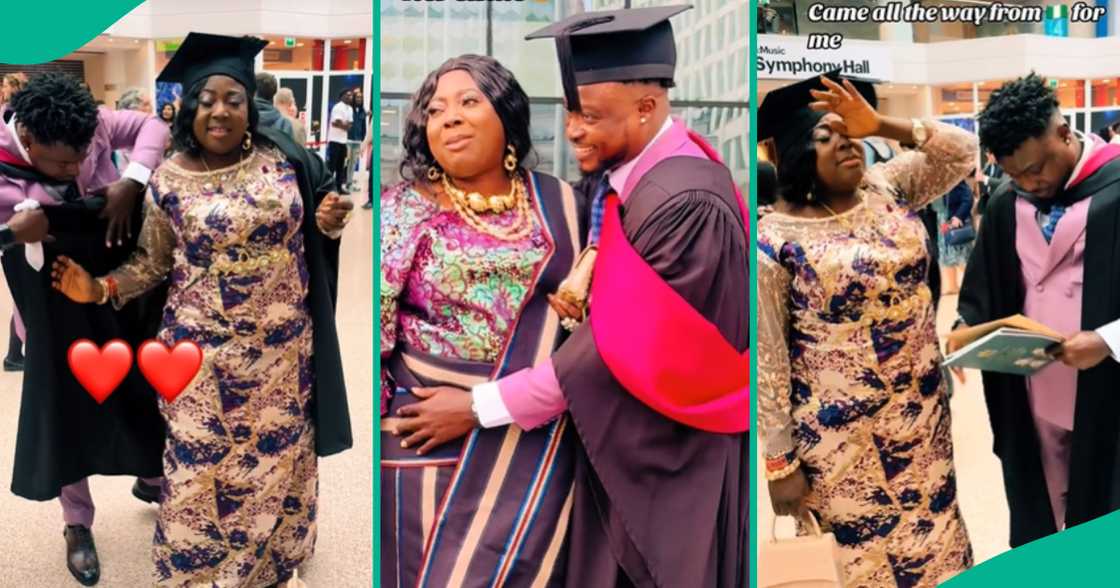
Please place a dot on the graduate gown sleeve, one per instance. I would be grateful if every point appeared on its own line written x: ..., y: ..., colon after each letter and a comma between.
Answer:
x: 922, y: 176
x: 150, y: 264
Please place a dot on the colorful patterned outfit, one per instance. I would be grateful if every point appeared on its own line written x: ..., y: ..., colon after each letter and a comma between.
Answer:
x: 849, y: 370
x: 240, y: 499
x: 458, y: 308
x: 446, y: 288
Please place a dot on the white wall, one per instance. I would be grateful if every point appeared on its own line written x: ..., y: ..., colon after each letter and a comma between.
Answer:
x: 156, y: 19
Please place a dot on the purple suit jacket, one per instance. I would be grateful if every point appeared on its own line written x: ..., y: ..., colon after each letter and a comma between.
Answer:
x: 145, y: 135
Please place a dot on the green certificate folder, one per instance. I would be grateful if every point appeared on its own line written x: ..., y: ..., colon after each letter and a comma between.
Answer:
x: 1006, y: 350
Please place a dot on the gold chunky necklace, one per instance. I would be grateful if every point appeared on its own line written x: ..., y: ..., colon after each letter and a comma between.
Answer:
x: 470, y: 206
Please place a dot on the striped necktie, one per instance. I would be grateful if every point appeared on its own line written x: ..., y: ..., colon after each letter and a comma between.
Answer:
x: 1051, y: 225
x: 601, y: 190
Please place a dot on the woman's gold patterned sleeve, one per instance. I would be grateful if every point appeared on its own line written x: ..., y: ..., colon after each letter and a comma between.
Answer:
x: 930, y: 172
x: 151, y: 262
x: 774, y: 405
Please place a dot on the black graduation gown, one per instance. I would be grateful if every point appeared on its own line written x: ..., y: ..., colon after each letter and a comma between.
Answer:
x: 64, y: 435
x: 993, y: 289
x: 658, y: 503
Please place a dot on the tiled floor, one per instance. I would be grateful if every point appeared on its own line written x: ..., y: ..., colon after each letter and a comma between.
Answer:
x: 979, y: 479
x: 31, y: 545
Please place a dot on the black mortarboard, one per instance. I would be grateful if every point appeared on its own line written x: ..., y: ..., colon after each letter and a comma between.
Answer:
x: 785, y: 116
x: 613, y: 46
x: 202, y: 55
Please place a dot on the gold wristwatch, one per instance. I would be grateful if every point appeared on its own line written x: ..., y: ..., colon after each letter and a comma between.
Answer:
x: 920, y: 132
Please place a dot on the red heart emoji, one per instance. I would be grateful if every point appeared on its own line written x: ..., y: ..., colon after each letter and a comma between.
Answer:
x: 169, y: 371
x: 99, y: 371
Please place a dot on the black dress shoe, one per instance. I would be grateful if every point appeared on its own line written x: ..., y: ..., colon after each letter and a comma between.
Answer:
x: 13, y: 365
x: 81, y: 555
x: 147, y: 492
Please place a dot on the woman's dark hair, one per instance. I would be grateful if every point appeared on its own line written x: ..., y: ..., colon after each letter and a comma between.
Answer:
x: 164, y: 106
x: 766, y: 180
x: 182, y: 129
x: 1018, y: 111
x: 500, y: 88
x: 797, y: 177
x: 55, y: 108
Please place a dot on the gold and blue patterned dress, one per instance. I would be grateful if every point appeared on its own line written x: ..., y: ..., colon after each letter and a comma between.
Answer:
x: 849, y: 370
x: 241, y: 486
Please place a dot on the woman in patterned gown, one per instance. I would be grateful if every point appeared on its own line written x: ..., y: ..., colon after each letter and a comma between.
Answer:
x: 853, y: 410
x: 471, y: 245
x: 240, y: 222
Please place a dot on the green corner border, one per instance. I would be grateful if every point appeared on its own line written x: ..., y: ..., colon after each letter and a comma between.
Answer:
x: 82, y: 22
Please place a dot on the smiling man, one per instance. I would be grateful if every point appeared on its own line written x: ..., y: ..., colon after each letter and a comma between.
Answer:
x: 1047, y: 249
x: 656, y: 378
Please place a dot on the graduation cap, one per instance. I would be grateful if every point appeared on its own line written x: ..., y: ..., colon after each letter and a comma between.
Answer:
x: 785, y: 116
x: 202, y: 55
x: 613, y: 46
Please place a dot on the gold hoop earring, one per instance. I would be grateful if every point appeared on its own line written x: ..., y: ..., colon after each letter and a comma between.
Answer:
x: 247, y: 144
x: 510, y: 162
x: 434, y: 173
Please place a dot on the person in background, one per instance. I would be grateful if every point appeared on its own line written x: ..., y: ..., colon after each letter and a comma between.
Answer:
x: 338, y: 137
x: 135, y: 99
x: 270, y: 116
x: 367, y: 151
x: 9, y: 85
x: 285, y: 102
x: 167, y: 113
x: 356, y: 134
x: 954, y: 211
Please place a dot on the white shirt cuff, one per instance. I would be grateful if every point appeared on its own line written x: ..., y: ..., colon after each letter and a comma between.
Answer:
x: 1111, y: 335
x: 138, y: 172
x: 489, y: 407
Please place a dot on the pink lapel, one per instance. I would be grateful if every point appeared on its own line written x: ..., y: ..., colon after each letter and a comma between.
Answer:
x: 1029, y: 242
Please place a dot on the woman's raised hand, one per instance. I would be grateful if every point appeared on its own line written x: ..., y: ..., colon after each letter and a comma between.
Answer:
x: 857, y: 118
x: 74, y: 281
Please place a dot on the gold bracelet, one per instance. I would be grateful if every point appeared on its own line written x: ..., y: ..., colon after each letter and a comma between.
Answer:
x: 785, y: 472
x: 104, y: 291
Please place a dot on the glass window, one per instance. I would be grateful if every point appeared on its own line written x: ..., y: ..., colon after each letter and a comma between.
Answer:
x: 293, y: 53
x: 1106, y: 118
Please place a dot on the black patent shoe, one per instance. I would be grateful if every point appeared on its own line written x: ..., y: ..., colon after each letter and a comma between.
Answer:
x: 146, y: 492
x: 81, y: 555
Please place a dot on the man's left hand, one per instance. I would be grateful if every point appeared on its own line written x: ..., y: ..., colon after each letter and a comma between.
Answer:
x: 1083, y: 350
x: 443, y: 415
x: 120, y: 198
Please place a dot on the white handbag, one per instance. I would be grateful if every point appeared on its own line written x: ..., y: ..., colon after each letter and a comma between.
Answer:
x: 812, y: 561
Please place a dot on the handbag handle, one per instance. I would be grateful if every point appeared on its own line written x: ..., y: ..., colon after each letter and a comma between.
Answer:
x: 808, y: 515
